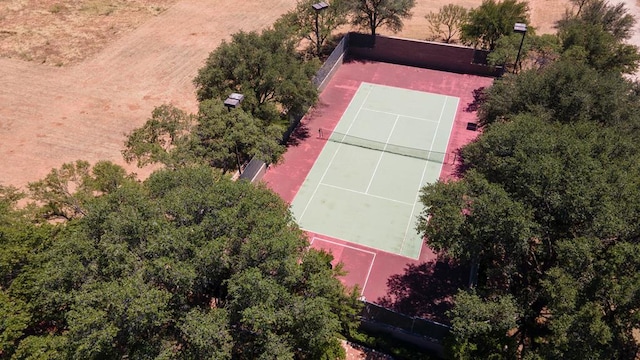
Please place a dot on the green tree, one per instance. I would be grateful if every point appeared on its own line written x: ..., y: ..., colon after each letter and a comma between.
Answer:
x: 612, y: 18
x: 266, y: 68
x: 316, y: 25
x: 578, y: 180
x: 596, y: 35
x: 537, y: 52
x: 446, y: 24
x: 207, y: 335
x: 217, y: 137
x: 590, y: 292
x: 476, y: 222
x: 119, y: 318
x: 42, y: 347
x: 565, y: 91
x: 157, y: 139
x: 480, y: 327
x: 492, y: 20
x: 188, y: 264
x: 374, y: 14
x: 14, y: 319
x: 227, y: 139
x: 65, y: 192
x: 591, y: 45
x: 20, y: 234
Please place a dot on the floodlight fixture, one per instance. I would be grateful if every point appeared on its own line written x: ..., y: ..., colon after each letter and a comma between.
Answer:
x: 320, y: 6
x: 233, y: 101
x: 519, y: 28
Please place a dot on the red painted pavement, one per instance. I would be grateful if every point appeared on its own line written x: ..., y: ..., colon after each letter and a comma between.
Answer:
x: 366, y: 266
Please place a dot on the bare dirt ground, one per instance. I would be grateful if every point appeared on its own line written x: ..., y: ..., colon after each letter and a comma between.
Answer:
x: 50, y: 115
x: 78, y: 74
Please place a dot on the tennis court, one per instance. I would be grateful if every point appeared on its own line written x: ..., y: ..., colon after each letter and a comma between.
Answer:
x: 364, y: 185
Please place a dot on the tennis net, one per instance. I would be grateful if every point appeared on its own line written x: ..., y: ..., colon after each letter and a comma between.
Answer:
x: 386, y: 147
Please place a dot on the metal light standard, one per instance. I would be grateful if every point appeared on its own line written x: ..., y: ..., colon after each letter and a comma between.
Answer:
x: 519, y: 28
x: 318, y: 7
x: 233, y: 101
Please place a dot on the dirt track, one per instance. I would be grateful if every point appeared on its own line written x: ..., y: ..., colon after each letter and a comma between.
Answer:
x: 52, y: 115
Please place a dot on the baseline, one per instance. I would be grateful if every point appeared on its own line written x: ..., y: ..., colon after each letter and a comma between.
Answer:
x: 373, y: 259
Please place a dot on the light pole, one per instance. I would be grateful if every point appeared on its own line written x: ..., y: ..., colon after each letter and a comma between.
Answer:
x: 318, y: 7
x: 519, y: 28
x: 233, y: 101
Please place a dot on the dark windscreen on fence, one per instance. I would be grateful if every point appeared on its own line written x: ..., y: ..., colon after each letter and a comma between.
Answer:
x: 413, y: 325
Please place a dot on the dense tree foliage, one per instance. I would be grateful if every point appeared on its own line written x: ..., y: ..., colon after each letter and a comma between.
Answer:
x: 266, y: 68
x: 186, y: 265
x: 156, y: 141
x: 537, y: 51
x: 563, y: 190
x: 374, y: 14
x: 492, y: 20
x: 590, y: 44
x: 594, y: 33
x: 567, y: 91
x: 545, y: 215
x: 64, y: 192
x: 215, y: 136
x: 316, y: 26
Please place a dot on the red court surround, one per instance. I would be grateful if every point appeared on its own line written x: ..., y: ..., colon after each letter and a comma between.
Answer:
x: 369, y: 267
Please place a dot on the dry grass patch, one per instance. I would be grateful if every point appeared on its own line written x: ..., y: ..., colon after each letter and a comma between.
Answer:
x: 64, y: 32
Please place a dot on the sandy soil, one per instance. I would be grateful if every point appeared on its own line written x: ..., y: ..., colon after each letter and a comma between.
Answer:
x: 79, y: 74
x: 50, y: 115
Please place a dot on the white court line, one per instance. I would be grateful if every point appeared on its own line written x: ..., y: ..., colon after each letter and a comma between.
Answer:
x: 382, y: 154
x: 424, y: 170
x: 334, y: 154
x: 366, y: 280
x: 407, y: 116
x: 362, y: 193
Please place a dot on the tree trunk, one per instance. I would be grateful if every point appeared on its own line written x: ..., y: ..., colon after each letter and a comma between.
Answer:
x: 473, y: 274
x: 238, y: 161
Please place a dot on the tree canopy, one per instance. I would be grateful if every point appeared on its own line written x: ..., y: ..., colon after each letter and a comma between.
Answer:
x: 545, y: 214
x: 266, y: 68
x: 566, y: 91
x: 216, y: 136
x: 374, y: 14
x: 561, y: 188
x: 316, y: 26
x: 447, y: 23
x: 596, y: 34
x: 188, y: 265
x: 492, y: 20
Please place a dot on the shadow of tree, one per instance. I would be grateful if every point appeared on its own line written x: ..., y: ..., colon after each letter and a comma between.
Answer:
x: 460, y: 166
x: 479, y: 97
x: 299, y: 134
x: 425, y: 290
x: 351, y: 59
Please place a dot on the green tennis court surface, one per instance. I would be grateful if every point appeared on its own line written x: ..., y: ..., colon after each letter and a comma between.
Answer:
x: 364, y: 186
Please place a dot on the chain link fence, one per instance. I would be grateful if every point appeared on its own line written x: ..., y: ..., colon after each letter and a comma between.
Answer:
x: 421, y: 332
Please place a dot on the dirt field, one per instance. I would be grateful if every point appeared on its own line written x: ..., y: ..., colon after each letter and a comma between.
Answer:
x: 79, y: 74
